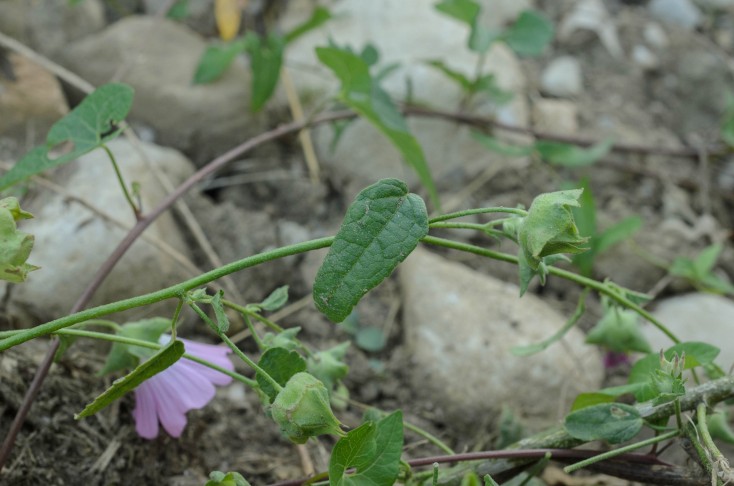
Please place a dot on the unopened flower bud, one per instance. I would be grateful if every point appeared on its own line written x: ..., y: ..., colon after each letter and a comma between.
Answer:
x: 302, y: 409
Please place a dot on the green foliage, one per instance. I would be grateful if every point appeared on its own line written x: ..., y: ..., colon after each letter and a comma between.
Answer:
x: 15, y: 246
x: 218, y: 478
x: 284, y: 339
x: 281, y: 365
x: 699, y: 271
x: 599, y: 242
x: 266, y: 58
x: 618, y: 330
x: 727, y: 122
x: 329, y: 366
x: 719, y: 427
x: 277, y: 299
x: 222, y: 321
x: 87, y: 127
x: 530, y: 34
x: 373, y: 449
x: 158, y: 362
x: 486, y: 83
x: 569, y: 155
x: 382, y: 226
x: 501, y: 148
x: 363, y: 94
x: 613, y: 422
x: 527, y: 36
x: 302, y: 409
x: 124, y: 356
x: 216, y: 60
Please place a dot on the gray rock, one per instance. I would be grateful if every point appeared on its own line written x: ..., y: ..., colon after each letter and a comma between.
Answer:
x: 555, y: 115
x: 158, y: 57
x: 655, y: 35
x: 49, y: 25
x: 682, y: 13
x: 31, y: 103
x: 591, y: 16
x: 460, y: 328
x: 696, y: 317
x: 645, y: 58
x: 72, y: 241
x: 562, y: 77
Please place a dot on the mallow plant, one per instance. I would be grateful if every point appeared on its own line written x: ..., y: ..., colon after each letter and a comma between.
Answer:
x: 673, y: 392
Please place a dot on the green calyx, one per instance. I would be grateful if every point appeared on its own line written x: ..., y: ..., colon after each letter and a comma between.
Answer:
x: 302, y: 409
x: 15, y: 246
x: 618, y: 330
x: 549, y: 227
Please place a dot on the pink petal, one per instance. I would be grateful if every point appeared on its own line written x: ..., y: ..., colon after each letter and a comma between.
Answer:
x: 145, y: 414
x: 214, y: 376
x: 188, y: 387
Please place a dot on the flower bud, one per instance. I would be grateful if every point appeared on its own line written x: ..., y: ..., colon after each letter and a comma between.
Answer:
x: 302, y: 409
x: 618, y: 330
x: 549, y: 228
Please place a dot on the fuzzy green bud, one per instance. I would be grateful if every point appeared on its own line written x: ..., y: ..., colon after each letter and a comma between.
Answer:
x: 302, y: 409
x: 618, y: 330
x: 549, y: 227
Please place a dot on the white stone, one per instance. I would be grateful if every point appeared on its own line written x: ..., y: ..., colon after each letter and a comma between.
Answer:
x: 460, y: 328
x: 696, y: 317
x: 408, y: 32
x: 555, y: 115
x: 592, y: 15
x: 644, y: 57
x: 682, y: 13
x: 655, y: 35
x: 72, y: 242
x: 50, y: 25
x: 158, y: 57
x: 562, y: 77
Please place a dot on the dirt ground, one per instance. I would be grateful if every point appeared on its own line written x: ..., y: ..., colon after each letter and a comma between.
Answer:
x: 232, y: 433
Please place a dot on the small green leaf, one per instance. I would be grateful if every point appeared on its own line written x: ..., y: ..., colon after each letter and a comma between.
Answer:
x: 605, y: 395
x: 179, y: 10
x: 373, y: 449
x: 618, y: 330
x: 281, y: 365
x: 284, y: 339
x: 465, y: 11
x: 124, y: 356
x: 370, y: 338
x: 319, y: 16
x: 530, y: 34
x: 219, y: 314
x: 266, y: 58
x: 613, y: 422
x: 361, y: 93
x: 218, y: 478
x: 727, y: 123
x: 719, y: 427
x: 381, y: 227
x: 616, y: 233
x: 159, y: 362
x: 706, y: 260
x: 329, y: 366
x: 568, y: 155
x: 277, y: 299
x: 501, y: 148
x: 216, y: 60
x: 452, y: 74
x: 88, y: 126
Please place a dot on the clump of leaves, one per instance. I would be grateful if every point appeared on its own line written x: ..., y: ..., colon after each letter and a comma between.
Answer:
x: 15, y: 246
x: 699, y: 271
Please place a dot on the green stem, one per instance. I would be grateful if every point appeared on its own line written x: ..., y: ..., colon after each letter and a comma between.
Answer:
x: 621, y: 450
x: 174, y: 291
x: 469, y: 212
x: 719, y: 462
x: 249, y: 362
x: 151, y: 345
x: 258, y: 341
x: 430, y: 437
x: 247, y: 312
x: 136, y: 210
x: 176, y: 315
x: 565, y: 274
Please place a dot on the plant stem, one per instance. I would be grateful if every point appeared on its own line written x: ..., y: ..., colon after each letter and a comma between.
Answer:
x: 151, y: 345
x: 168, y: 293
x: 719, y: 462
x: 255, y: 336
x: 136, y: 210
x: 249, y: 362
x: 565, y: 274
x: 469, y: 212
x: 610, y: 454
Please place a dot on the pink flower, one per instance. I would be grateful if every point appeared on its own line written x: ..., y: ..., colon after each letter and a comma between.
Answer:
x: 186, y: 385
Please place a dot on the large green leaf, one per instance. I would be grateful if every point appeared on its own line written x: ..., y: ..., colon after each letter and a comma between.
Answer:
x: 159, y: 362
x: 373, y: 449
x: 613, y: 422
x: 365, y: 96
x: 123, y: 356
x: 381, y: 227
x: 88, y: 126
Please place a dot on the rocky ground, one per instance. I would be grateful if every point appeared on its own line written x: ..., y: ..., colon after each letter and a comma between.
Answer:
x: 654, y: 75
